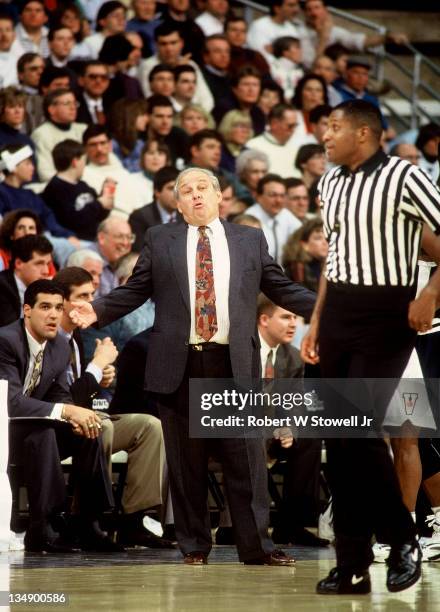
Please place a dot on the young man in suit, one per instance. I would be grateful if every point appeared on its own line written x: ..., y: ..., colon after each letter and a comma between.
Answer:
x: 205, y: 326
x: 31, y: 260
x: 140, y: 435
x: 34, y: 360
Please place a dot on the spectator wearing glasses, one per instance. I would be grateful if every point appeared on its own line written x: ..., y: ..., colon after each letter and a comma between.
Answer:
x: 30, y: 66
x: 407, y: 151
x: 114, y: 239
x: 94, y: 82
x: 60, y: 108
x: 102, y: 165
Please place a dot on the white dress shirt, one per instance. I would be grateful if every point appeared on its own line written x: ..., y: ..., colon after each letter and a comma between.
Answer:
x: 264, y: 352
x: 281, y: 225
x: 21, y: 289
x: 221, y: 269
x: 93, y: 105
x: 34, y: 348
x: 91, y: 368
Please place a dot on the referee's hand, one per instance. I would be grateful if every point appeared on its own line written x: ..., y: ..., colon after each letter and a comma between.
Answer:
x: 309, y: 346
x: 421, y: 310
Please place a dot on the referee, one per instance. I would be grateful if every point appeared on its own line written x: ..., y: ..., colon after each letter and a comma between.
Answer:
x: 373, y: 207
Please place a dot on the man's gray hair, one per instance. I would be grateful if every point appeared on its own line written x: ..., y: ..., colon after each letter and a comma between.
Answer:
x: 209, y: 174
x: 77, y: 258
x: 244, y: 159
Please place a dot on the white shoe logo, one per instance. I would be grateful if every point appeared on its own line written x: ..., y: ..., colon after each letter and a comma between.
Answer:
x: 356, y: 580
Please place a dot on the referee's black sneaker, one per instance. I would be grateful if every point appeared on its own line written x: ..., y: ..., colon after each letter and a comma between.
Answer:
x: 344, y: 582
x: 404, y: 566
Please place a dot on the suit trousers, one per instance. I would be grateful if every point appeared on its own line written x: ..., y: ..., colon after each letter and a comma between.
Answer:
x: 38, y: 449
x: 140, y: 435
x: 364, y: 333
x: 244, y: 469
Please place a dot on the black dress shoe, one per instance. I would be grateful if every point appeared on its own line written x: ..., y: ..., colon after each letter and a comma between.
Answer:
x: 143, y: 537
x: 56, y: 547
x: 277, y: 558
x: 301, y: 537
x: 343, y: 582
x: 224, y: 536
x: 404, y: 566
x: 195, y: 558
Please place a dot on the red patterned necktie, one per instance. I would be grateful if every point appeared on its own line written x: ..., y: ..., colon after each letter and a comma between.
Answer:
x: 206, y: 313
x: 269, y: 371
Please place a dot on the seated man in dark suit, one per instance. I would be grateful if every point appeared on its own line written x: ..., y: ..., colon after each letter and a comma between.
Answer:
x: 163, y: 209
x: 31, y: 260
x: 140, y: 435
x: 34, y: 360
x: 279, y: 359
x: 94, y: 82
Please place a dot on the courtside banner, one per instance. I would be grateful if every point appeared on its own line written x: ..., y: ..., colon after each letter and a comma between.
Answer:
x: 314, y: 408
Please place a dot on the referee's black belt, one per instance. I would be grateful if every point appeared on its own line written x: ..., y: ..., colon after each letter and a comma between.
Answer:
x: 208, y: 346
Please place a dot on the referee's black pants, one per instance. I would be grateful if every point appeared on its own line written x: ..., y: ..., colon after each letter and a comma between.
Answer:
x: 364, y: 333
x: 243, y: 461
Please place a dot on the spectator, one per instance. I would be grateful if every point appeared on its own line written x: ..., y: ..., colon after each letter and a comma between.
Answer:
x: 251, y: 165
x: 311, y: 91
x: 213, y: 18
x: 90, y: 261
x: 154, y: 156
x: 236, y: 130
x: 70, y: 16
x: 16, y: 224
x: 102, y: 165
x: 162, y: 81
x: 135, y: 57
x: 75, y: 204
x: 321, y: 32
x: 286, y: 68
x: 60, y: 109
x: 12, y: 115
x: 94, y: 82
x: 144, y: 22
x: 61, y: 43
x: 115, y: 53
x: 53, y: 78
x: 236, y: 33
x: 177, y: 14
x: 18, y: 168
x: 246, y: 88
x: 305, y: 253
x: 407, y: 151
x: 277, y: 222
x: 31, y: 259
x: 427, y: 142
x: 160, y: 127
x: 310, y: 161
x: 185, y: 86
x: 279, y: 142
x: 339, y: 55
x: 10, y: 51
x: 318, y: 119
x: 271, y: 94
x: 193, y: 118
x: 297, y: 198
x: 217, y: 59
x: 324, y: 66
x: 282, y: 21
x: 169, y: 44
x: 163, y: 209
x: 110, y: 20
x: 127, y: 123
x: 227, y: 206
x: 249, y: 220
x: 114, y: 239
x: 31, y: 32
x: 30, y: 66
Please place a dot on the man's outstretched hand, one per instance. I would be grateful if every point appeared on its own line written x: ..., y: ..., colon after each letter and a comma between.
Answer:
x: 83, y: 314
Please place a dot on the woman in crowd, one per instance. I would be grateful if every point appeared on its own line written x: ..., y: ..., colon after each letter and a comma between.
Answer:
x: 193, y: 118
x: 16, y: 224
x: 311, y: 91
x: 70, y: 16
x: 128, y: 121
x: 305, y: 252
x: 153, y: 156
x: 236, y: 129
x: 251, y: 166
x: 311, y: 162
x: 271, y: 94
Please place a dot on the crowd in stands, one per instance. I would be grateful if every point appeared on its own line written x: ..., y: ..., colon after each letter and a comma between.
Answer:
x: 101, y: 105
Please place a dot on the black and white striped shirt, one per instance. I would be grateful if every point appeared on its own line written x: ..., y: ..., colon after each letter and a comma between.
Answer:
x: 373, y: 220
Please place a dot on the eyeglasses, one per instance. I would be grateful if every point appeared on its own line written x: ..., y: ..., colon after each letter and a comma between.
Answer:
x: 124, y: 237
x: 67, y: 103
x: 95, y: 77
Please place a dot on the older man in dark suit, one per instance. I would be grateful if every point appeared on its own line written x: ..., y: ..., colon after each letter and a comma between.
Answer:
x: 34, y: 360
x: 204, y: 277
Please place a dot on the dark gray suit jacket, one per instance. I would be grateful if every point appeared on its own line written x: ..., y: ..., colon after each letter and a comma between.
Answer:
x: 14, y: 360
x: 162, y: 274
